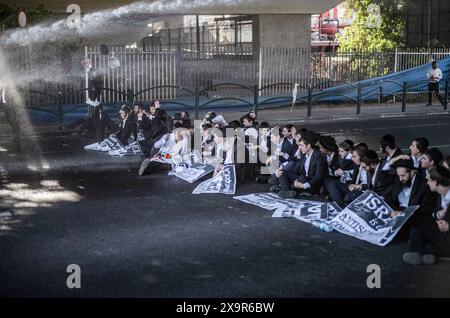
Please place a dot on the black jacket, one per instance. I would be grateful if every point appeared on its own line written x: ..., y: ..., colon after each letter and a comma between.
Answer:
x: 101, y: 124
x: 318, y: 170
x: 387, y: 178
x: 145, y: 125
x: 381, y: 185
x: 418, y: 192
x: 95, y: 84
x: 288, y: 148
x: 333, y: 165
x: 126, y: 131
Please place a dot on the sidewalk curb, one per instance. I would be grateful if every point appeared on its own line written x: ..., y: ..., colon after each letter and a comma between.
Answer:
x: 360, y: 117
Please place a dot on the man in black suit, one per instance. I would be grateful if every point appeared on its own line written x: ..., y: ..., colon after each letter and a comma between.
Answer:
x: 308, y: 173
x: 329, y: 148
x: 409, y: 188
x: 389, y: 150
x: 127, y: 126
x: 375, y: 180
x: 428, y: 240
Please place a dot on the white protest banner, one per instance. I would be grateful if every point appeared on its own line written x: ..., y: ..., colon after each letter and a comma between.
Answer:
x: 111, y: 143
x: 189, y: 168
x: 224, y: 182
x: 369, y: 218
x: 193, y: 172
x: 133, y: 149
x: 303, y: 210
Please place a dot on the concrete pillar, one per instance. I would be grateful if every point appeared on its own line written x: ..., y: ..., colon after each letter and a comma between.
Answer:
x: 285, y: 43
x: 284, y: 30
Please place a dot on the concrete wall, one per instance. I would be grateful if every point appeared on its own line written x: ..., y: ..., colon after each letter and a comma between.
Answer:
x: 283, y: 31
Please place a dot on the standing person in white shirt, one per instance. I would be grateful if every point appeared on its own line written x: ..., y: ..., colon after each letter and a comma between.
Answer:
x: 434, y: 75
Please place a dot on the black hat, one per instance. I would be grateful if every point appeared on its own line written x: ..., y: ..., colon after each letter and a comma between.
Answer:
x: 388, y: 140
x: 405, y: 163
x: 310, y: 137
x: 435, y: 155
x: 328, y: 142
x: 349, y: 142
x: 370, y: 156
x: 443, y: 172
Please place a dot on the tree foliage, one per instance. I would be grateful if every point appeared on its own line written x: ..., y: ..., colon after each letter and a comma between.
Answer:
x: 378, y: 25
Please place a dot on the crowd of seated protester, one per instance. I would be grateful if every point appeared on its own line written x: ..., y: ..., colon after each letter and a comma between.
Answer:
x: 297, y: 162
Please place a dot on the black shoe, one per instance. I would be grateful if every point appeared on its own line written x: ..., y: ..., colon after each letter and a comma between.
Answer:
x: 287, y: 194
x: 275, y: 188
x: 273, y: 180
x: 428, y: 105
x: 262, y: 179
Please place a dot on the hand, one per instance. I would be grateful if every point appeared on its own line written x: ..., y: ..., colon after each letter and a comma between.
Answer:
x: 269, y: 161
x: 298, y: 184
x: 279, y: 172
x: 440, y: 214
x: 218, y: 168
x: 339, y: 172
x: 443, y: 226
x: 395, y: 213
x: 352, y: 187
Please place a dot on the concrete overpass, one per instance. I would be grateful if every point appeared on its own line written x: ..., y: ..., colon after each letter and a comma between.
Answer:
x: 277, y: 23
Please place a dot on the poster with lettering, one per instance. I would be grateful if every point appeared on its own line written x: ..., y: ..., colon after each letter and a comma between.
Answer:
x: 369, y: 218
x: 303, y: 210
x: 224, y: 182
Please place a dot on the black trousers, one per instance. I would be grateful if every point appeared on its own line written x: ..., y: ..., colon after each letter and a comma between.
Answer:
x: 433, y: 87
x: 288, y: 178
x: 337, y: 190
x: 427, y: 238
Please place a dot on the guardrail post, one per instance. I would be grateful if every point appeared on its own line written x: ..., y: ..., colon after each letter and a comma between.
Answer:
x: 255, y: 99
x: 130, y: 97
x: 404, y: 96
x: 197, y: 102
x: 446, y: 95
x: 358, y: 99
x: 309, y: 101
x: 60, y: 112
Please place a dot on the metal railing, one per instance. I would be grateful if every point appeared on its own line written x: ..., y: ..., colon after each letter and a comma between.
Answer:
x: 256, y: 99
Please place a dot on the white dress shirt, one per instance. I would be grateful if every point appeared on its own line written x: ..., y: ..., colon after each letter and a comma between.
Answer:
x: 405, y: 194
x: 445, y: 200
x: 436, y: 73
x: 307, y: 162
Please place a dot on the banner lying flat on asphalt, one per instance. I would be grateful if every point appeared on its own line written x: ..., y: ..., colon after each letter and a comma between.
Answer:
x: 113, y: 147
x: 368, y: 218
x: 303, y: 210
x: 224, y: 182
x: 192, y: 173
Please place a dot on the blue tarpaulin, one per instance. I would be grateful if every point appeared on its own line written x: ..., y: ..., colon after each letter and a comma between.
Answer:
x: 391, y: 84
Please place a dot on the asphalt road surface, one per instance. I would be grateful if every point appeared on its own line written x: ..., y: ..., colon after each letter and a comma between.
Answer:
x: 151, y: 237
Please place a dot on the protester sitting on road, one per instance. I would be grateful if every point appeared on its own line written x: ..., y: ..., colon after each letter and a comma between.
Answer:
x: 169, y: 145
x: 389, y: 150
x: 346, y: 165
x: 308, y: 174
x: 360, y: 179
x: 418, y: 147
x: 428, y: 240
x: 127, y: 127
x: 252, y: 115
x: 329, y: 148
x: 409, y: 188
x: 432, y: 157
